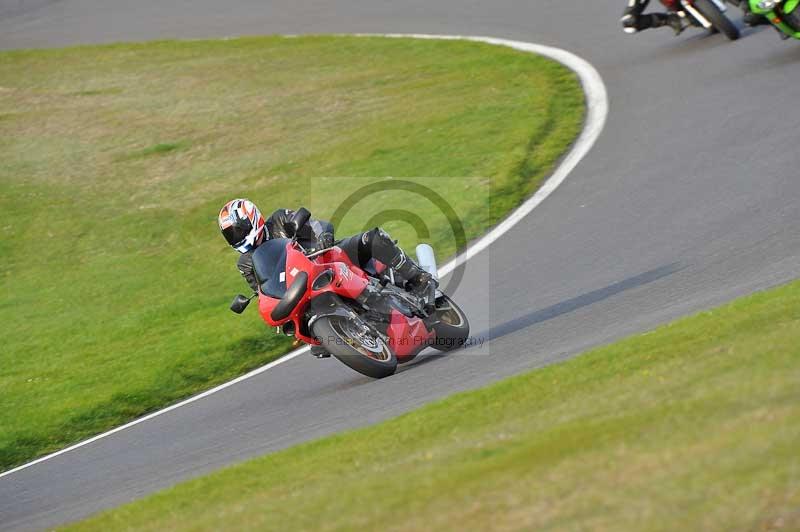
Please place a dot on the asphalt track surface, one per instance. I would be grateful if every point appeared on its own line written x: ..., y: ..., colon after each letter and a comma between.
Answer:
x: 688, y: 200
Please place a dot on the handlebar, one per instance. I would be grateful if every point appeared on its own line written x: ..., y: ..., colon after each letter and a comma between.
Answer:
x: 319, y: 252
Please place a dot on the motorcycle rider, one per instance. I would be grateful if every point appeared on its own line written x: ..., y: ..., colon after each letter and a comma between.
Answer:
x: 244, y: 228
x: 634, y: 20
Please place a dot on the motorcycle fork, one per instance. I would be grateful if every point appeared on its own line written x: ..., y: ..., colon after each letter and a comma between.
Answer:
x: 687, y: 5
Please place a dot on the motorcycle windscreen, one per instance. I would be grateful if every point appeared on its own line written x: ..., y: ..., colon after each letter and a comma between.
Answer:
x: 269, y: 263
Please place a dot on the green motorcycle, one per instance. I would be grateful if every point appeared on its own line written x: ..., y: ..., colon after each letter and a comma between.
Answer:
x: 784, y: 15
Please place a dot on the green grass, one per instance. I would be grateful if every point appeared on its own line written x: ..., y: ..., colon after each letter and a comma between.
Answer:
x: 157, y: 149
x: 114, y: 161
x: 695, y: 426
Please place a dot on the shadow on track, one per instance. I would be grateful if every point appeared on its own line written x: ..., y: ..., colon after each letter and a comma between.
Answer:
x: 523, y: 322
x: 690, y: 44
x: 583, y: 300
x: 559, y: 309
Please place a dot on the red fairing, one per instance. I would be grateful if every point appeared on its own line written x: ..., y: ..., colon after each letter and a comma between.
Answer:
x: 349, y: 281
x: 407, y: 336
x: 296, y: 262
x: 672, y: 4
x: 267, y: 304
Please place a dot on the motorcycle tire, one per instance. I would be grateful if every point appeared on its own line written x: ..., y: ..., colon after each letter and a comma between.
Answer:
x: 452, y: 329
x: 367, y: 353
x: 717, y: 18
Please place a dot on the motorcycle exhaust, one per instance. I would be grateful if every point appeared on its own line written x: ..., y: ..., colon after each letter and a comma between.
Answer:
x: 427, y: 260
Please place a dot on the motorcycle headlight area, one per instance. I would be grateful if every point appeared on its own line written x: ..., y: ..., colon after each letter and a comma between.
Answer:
x: 322, y: 280
x: 768, y: 5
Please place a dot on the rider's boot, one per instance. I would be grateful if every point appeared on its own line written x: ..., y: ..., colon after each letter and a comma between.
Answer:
x: 418, y: 281
x: 383, y: 248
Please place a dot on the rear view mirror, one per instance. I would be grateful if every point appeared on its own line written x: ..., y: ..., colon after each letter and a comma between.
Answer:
x: 299, y: 219
x: 240, y: 303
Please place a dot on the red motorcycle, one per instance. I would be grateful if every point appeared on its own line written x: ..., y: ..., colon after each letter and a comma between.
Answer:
x: 708, y: 14
x: 314, y: 297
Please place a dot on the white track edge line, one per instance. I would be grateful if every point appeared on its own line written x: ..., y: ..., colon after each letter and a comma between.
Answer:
x: 596, y: 112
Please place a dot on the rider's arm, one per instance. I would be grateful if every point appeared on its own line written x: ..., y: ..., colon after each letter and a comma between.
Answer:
x: 245, y: 265
x: 277, y: 222
x: 315, y: 234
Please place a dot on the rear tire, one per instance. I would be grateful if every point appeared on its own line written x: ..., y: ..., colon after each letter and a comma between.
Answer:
x: 717, y: 18
x: 366, y: 353
x: 452, y: 331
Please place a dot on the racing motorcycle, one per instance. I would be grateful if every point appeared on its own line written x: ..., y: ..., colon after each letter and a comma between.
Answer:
x: 783, y: 14
x: 318, y: 297
x: 708, y: 14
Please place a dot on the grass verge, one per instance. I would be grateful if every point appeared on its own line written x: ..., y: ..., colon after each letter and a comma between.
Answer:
x: 693, y: 426
x: 116, y: 159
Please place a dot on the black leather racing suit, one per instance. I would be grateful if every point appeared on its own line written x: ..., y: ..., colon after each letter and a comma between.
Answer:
x: 318, y: 234
x: 634, y: 19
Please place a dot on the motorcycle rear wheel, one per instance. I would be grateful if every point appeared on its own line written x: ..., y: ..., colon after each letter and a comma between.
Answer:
x: 717, y: 18
x: 360, y: 350
x: 452, y: 329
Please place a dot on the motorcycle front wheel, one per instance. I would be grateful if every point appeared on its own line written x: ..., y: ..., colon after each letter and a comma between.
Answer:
x: 717, y: 18
x: 356, y: 346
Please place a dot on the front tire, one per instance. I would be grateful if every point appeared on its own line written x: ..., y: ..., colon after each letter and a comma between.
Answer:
x: 360, y: 350
x: 717, y: 18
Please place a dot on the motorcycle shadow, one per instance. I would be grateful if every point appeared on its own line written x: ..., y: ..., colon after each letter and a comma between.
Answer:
x: 584, y: 300
x: 548, y: 313
x: 699, y: 41
x: 522, y: 322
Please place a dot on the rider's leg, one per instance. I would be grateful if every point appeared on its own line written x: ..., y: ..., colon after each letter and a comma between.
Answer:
x: 376, y: 244
x: 633, y: 20
x: 656, y: 20
x: 631, y: 17
x: 351, y: 246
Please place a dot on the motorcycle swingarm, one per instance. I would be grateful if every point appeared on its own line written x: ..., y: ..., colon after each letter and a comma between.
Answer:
x: 329, y: 304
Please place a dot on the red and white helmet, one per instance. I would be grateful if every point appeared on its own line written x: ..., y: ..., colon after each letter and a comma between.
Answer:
x: 242, y: 225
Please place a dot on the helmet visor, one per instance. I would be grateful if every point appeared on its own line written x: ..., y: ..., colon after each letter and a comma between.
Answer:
x: 236, y: 233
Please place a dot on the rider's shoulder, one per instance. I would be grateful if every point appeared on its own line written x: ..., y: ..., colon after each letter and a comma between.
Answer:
x: 282, y: 215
